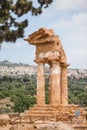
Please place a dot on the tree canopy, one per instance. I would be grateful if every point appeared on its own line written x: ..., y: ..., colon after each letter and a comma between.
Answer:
x: 21, y: 92
x: 10, y: 10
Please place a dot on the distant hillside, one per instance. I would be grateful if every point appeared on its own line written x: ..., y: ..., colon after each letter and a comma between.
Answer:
x: 10, y: 64
x: 19, y: 69
x: 77, y: 73
x: 14, y: 69
x: 18, y: 86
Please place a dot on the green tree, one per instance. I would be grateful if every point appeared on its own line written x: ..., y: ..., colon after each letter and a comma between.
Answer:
x: 23, y: 102
x: 78, y: 91
x: 10, y: 11
x: 83, y: 99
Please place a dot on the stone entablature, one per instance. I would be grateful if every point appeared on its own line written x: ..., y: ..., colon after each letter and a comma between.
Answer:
x: 48, y: 46
x: 49, y: 51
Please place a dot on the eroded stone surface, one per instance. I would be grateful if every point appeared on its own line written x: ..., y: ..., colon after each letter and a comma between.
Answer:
x: 55, y: 126
x: 21, y: 127
x: 49, y: 51
x: 49, y: 126
x: 4, y: 120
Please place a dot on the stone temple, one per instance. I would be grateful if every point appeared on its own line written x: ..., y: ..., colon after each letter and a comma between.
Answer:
x: 49, y: 51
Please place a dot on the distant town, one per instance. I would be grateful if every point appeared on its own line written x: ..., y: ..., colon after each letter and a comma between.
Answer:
x: 8, y: 68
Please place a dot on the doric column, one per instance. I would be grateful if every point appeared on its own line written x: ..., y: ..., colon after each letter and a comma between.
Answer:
x: 55, y: 83
x: 64, y: 84
x: 41, y: 84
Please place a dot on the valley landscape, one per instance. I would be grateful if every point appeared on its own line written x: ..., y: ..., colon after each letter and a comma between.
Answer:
x: 18, y: 87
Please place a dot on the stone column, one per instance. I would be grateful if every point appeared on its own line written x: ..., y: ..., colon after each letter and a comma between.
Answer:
x: 64, y: 85
x: 55, y: 83
x: 41, y: 84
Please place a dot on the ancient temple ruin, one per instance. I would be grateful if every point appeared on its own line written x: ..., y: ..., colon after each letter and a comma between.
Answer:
x: 49, y: 51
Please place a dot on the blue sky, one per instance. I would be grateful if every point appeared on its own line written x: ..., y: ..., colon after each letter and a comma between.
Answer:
x: 68, y: 18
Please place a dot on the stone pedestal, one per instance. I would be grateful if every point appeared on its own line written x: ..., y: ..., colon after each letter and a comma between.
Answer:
x: 54, y: 83
x: 64, y: 85
x: 41, y: 84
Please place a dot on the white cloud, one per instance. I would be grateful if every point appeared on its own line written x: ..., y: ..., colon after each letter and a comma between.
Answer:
x: 75, y: 20
x: 73, y: 33
x: 77, y: 57
x: 71, y: 4
x: 80, y: 19
x: 74, y: 28
x: 12, y: 45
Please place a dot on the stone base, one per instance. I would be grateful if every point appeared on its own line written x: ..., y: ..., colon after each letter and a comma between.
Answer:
x: 58, y: 111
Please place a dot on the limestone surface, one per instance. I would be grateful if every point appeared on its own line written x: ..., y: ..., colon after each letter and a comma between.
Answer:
x: 49, y: 126
x: 49, y: 50
x: 4, y: 120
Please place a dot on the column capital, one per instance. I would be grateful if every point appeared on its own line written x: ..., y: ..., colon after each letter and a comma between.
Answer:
x: 54, y: 62
x: 39, y: 61
x: 65, y: 65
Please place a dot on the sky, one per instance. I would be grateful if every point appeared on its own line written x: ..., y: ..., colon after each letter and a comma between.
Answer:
x: 68, y: 19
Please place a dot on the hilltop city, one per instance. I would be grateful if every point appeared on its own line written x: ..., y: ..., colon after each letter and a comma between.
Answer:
x: 8, y: 68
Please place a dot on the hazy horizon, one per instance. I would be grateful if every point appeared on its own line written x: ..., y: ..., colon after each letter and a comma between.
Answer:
x: 36, y: 64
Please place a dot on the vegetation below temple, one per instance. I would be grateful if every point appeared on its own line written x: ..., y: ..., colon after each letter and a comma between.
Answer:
x: 21, y: 92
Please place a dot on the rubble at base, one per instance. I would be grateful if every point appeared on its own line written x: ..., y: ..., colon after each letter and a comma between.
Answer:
x: 49, y: 126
